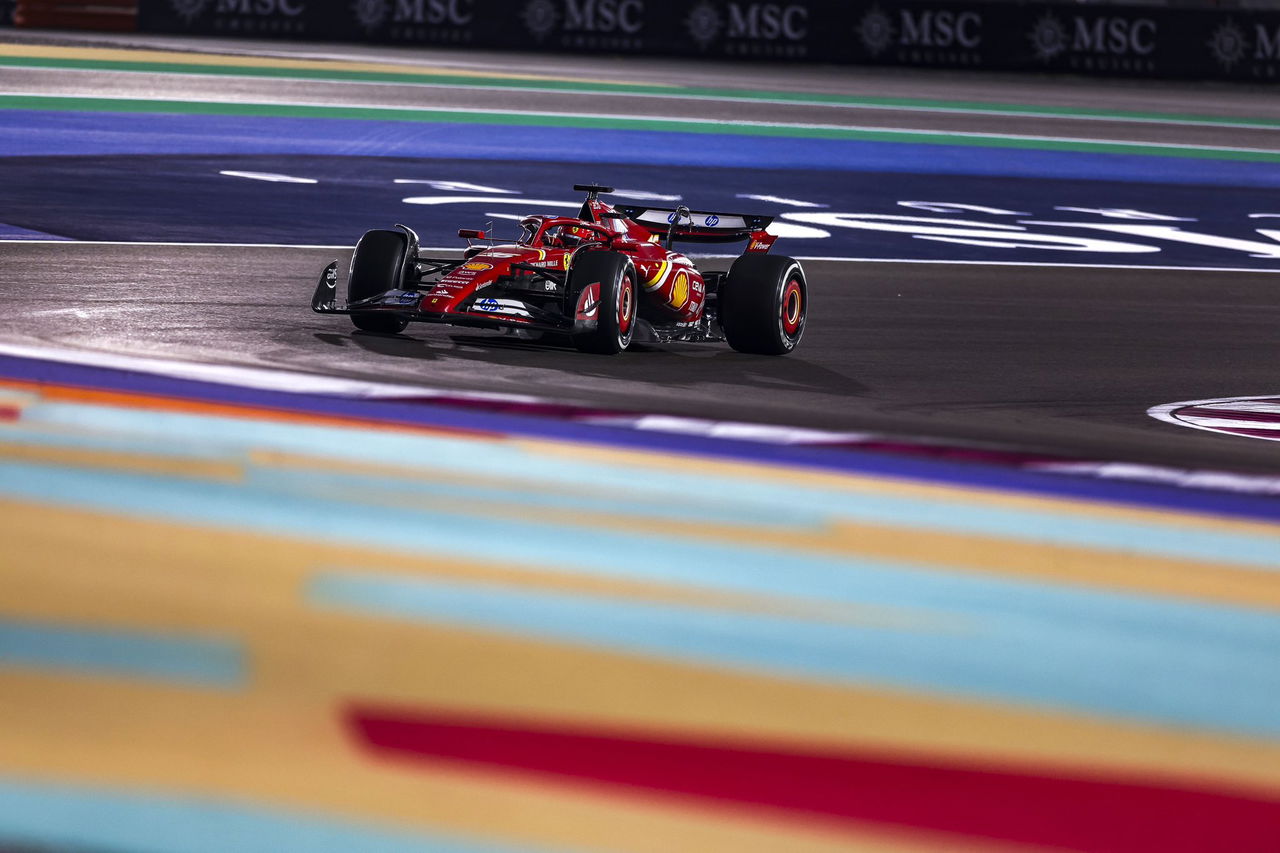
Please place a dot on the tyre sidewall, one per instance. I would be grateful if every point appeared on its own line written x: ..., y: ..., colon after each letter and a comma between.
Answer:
x: 378, y: 264
x: 753, y: 304
x: 616, y: 315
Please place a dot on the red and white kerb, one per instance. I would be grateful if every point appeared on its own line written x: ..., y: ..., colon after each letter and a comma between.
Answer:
x: 1251, y: 417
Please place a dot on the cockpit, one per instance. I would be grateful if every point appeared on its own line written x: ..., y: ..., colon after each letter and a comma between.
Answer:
x: 547, y: 232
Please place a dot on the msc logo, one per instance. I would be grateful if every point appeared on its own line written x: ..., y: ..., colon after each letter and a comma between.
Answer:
x: 372, y: 14
x: 768, y: 21
x: 260, y: 8
x: 246, y: 16
x: 1116, y: 36
x: 1229, y: 44
x: 704, y: 24
x: 188, y: 9
x: 932, y: 28
x: 750, y: 21
x: 944, y: 28
x: 584, y: 16
x: 1105, y: 35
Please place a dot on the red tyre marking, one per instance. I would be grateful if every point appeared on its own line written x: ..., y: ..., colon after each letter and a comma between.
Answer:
x: 792, y: 307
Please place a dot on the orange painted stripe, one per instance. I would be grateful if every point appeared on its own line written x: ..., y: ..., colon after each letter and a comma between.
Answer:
x: 159, y: 402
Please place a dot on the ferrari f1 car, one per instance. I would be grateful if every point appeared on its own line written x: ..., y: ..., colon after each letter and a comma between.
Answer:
x: 596, y: 278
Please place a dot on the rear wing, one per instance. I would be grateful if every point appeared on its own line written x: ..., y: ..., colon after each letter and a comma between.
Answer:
x: 702, y: 226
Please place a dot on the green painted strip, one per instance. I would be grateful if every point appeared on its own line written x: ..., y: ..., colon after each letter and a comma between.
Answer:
x: 685, y: 92
x: 605, y: 122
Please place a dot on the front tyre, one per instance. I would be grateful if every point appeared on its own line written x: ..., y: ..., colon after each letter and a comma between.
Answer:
x: 608, y: 280
x: 377, y: 266
x: 762, y: 304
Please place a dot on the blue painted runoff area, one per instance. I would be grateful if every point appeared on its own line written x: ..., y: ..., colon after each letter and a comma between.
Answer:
x: 40, y: 133
x: 43, y: 814
x: 148, y: 198
x: 180, y: 659
x: 132, y: 176
x: 1121, y: 658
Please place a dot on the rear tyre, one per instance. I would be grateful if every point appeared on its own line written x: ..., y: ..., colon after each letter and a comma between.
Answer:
x: 613, y: 279
x: 762, y: 304
x: 377, y: 266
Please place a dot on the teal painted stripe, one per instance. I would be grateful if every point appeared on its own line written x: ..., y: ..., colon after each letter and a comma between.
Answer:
x: 1153, y: 670
x: 413, y: 485
x: 1167, y: 539
x: 482, y: 81
x: 505, y: 539
x: 202, y: 661
x: 565, y: 120
x: 104, y: 819
x: 563, y: 506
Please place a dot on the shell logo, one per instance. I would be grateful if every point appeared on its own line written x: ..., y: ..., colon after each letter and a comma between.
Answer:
x: 680, y: 290
x: 477, y: 266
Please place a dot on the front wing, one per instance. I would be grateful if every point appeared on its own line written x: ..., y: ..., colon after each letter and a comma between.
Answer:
x: 498, y: 306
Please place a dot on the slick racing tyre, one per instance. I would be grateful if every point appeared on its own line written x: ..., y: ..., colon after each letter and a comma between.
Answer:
x: 762, y: 304
x: 378, y: 266
x: 607, y: 279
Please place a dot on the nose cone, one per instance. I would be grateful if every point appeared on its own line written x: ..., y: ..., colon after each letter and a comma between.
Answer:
x: 445, y: 295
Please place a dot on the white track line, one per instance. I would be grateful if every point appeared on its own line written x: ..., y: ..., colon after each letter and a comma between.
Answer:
x: 258, y: 378
x: 816, y: 258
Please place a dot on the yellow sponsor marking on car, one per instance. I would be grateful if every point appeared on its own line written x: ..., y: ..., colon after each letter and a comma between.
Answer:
x: 659, y: 273
x: 680, y: 290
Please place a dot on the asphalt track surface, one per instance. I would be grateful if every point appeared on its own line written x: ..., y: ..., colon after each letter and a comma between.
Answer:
x: 1040, y: 358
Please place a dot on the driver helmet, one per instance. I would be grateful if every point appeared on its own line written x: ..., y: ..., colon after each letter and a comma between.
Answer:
x: 569, y: 236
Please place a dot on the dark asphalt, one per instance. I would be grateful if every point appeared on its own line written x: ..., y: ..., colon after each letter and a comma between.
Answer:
x: 1046, y: 359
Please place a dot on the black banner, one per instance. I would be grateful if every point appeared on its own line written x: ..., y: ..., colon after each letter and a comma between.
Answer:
x: 1137, y: 41
x: 6, y: 13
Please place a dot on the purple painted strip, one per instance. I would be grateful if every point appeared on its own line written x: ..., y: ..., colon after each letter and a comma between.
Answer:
x: 847, y: 461
x: 1227, y: 413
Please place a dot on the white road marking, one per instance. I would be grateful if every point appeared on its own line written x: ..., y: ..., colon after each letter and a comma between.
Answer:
x: 272, y: 177
x: 456, y: 186
x: 796, y: 232
x: 645, y: 195
x: 773, y: 199
x: 1221, y: 481
x: 833, y: 259
x: 480, y: 199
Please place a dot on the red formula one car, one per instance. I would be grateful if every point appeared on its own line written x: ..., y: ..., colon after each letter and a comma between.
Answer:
x: 597, y: 278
